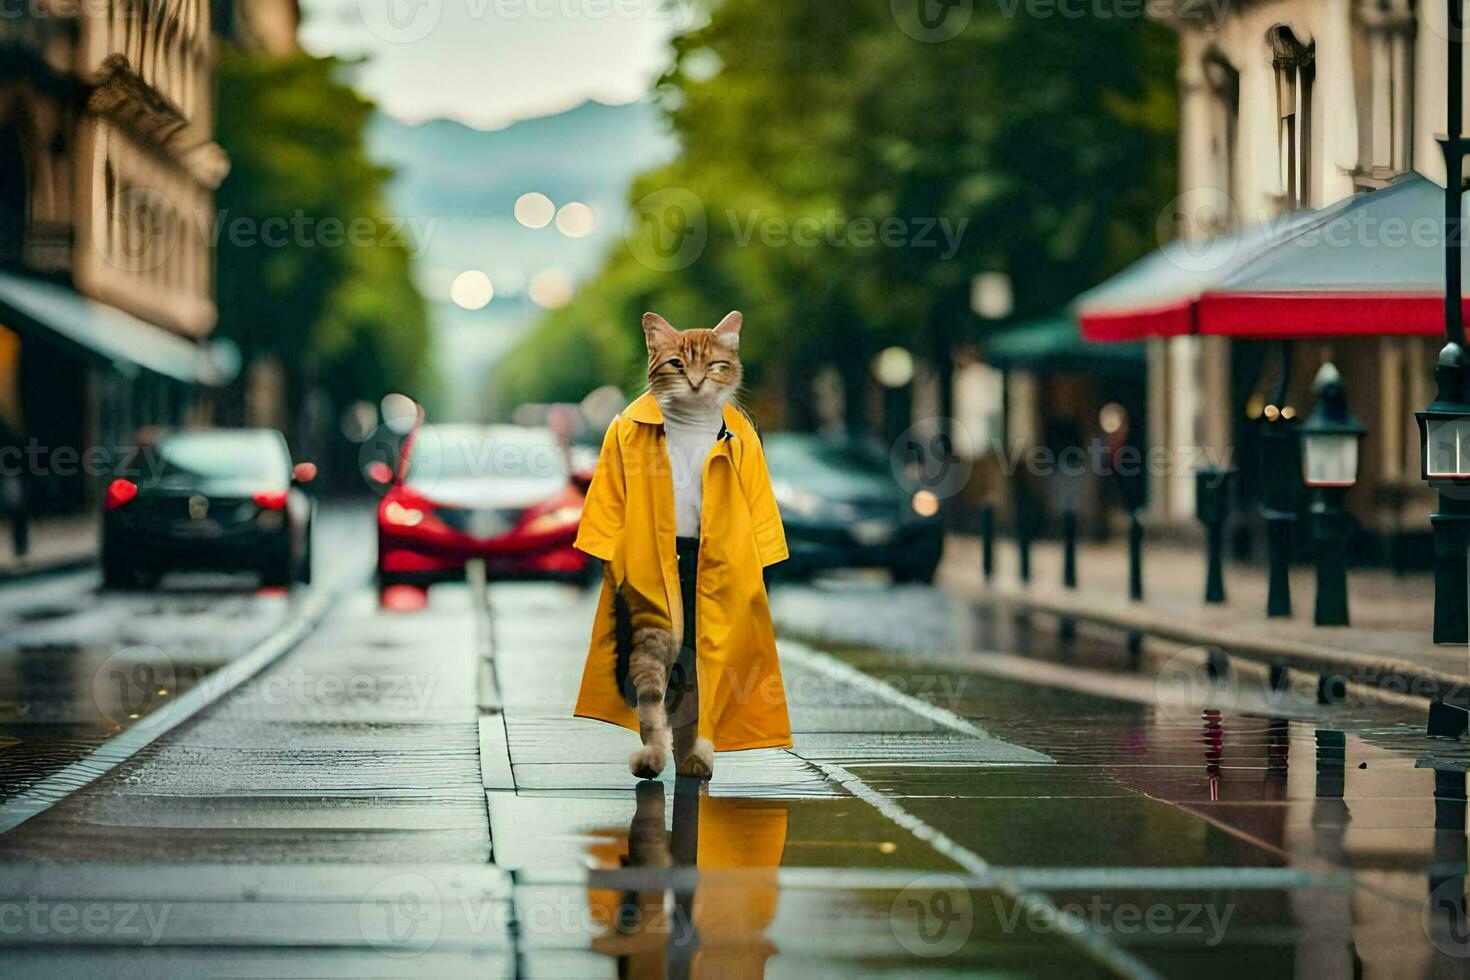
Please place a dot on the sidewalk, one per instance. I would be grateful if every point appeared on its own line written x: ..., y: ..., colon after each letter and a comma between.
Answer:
x: 56, y: 542
x: 1387, y: 646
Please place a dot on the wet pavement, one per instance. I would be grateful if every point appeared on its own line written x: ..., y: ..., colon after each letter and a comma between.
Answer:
x: 407, y: 794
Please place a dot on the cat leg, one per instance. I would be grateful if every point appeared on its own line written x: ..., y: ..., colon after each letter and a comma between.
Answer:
x: 693, y: 756
x: 654, y: 652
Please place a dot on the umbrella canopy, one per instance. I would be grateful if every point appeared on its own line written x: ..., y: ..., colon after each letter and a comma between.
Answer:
x: 1053, y: 345
x: 1372, y: 264
x: 1155, y: 296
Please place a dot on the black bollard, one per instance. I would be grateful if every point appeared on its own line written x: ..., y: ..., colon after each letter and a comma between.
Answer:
x: 987, y: 541
x: 1212, y: 507
x: 1023, y: 541
x: 1281, y: 468
x: 1135, y: 557
x: 1069, y: 548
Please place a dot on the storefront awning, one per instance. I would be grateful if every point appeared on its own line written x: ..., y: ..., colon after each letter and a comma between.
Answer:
x: 1053, y: 345
x: 1372, y: 264
x: 1155, y: 296
x: 56, y: 314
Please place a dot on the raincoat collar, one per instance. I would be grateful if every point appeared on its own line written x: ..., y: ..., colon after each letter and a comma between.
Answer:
x: 645, y: 409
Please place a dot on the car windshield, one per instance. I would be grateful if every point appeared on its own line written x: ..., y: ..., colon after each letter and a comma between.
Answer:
x: 226, y: 455
x: 834, y: 469
x: 462, y: 452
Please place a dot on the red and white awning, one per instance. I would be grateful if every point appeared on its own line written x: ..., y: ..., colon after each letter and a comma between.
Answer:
x: 1370, y: 265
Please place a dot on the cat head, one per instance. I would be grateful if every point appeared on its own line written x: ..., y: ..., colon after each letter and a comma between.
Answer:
x: 693, y: 369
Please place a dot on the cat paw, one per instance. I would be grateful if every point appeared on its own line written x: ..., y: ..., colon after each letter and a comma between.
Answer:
x: 700, y: 762
x: 649, y: 761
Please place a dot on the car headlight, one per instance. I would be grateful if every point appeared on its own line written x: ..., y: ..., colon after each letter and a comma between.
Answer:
x: 925, y: 503
x: 796, y: 500
x: 554, y: 520
x: 401, y: 516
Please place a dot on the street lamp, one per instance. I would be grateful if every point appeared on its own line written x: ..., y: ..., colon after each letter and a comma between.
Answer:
x: 1330, y: 438
x: 1444, y: 463
x: 1442, y: 424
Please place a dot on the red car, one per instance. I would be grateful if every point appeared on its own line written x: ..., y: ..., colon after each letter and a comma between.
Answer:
x: 501, y: 493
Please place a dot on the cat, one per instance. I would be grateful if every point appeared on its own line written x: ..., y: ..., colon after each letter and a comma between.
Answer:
x: 692, y: 374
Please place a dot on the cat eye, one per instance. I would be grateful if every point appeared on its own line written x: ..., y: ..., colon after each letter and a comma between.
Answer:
x: 675, y: 362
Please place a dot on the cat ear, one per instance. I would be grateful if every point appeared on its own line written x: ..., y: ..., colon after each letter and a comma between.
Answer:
x: 728, y: 329
x: 655, y: 329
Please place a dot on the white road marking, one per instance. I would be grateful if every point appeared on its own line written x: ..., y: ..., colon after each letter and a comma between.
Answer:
x: 1039, y: 906
x: 804, y: 656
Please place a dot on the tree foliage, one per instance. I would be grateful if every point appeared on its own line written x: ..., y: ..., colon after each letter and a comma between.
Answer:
x: 1044, y: 146
x: 309, y: 270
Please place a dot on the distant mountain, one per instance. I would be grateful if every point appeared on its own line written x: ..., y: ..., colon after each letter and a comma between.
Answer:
x: 459, y: 185
x: 588, y: 153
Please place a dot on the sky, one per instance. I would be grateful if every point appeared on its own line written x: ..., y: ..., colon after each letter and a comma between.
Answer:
x: 489, y: 63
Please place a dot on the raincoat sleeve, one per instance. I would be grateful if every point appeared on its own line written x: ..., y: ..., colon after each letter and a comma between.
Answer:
x: 602, y: 514
x: 765, y: 517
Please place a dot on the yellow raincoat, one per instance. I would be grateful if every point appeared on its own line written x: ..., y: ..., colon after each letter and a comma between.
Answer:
x: 628, y: 522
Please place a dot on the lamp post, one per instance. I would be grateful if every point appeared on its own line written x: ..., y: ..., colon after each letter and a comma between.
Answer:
x: 1442, y: 423
x: 1445, y: 424
x: 1330, y: 438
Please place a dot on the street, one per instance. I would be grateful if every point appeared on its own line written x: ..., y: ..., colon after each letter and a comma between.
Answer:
x: 406, y: 793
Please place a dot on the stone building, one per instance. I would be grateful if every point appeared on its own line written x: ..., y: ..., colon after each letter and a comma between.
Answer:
x: 1290, y: 111
x: 107, y: 176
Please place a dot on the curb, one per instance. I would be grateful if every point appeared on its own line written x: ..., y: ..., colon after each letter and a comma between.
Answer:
x: 1389, y: 673
x: 113, y: 753
x: 26, y: 572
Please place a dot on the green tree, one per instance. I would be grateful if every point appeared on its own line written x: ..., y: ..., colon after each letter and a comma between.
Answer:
x: 309, y: 272
x: 1043, y: 147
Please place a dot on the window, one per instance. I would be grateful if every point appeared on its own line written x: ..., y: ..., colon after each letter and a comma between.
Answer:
x: 1296, y: 68
x: 1223, y: 82
x: 1388, y: 28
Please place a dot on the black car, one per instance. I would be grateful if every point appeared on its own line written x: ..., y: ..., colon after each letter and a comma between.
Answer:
x: 208, y: 499
x: 844, y: 508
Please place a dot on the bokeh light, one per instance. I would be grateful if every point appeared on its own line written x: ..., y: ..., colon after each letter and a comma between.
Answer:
x: 550, y: 289
x: 535, y: 210
x: 471, y: 290
x: 575, y: 220
x: 894, y: 367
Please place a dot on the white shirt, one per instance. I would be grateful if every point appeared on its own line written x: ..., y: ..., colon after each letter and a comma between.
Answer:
x: 690, y: 434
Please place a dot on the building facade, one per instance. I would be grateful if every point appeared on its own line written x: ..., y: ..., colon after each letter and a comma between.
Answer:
x: 107, y: 176
x: 1289, y: 105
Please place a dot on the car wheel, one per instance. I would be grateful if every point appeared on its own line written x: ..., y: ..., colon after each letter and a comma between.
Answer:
x: 914, y: 574
x: 275, y: 570
x: 114, y: 575
x: 303, y: 567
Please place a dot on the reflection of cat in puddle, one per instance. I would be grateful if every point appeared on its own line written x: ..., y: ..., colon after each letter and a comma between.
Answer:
x: 719, y: 927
